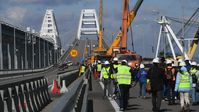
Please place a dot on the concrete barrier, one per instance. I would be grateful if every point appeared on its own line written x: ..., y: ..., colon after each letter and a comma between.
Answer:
x: 1, y: 101
x: 36, y: 96
x: 46, y: 90
x: 27, y: 97
x: 33, y: 99
x: 8, y: 100
x: 43, y: 92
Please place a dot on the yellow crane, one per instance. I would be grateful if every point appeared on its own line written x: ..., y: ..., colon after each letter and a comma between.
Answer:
x: 194, y: 45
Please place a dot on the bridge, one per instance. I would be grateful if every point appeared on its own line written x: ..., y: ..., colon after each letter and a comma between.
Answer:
x: 31, y: 64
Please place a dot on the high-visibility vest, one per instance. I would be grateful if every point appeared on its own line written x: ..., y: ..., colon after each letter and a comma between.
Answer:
x: 114, y: 75
x: 99, y: 67
x: 185, y: 80
x: 193, y: 71
x: 82, y: 69
x: 124, y: 75
x: 105, y: 72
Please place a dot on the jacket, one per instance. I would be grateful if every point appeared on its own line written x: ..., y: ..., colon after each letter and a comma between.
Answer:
x: 178, y: 79
x: 141, y: 76
x: 156, y: 77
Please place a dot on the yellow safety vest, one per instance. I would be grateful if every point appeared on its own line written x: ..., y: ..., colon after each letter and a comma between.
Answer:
x: 114, y: 75
x: 82, y: 69
x: 124, y: 75
x: 99, y: 67
x: 193, y: 71
x: 105, y: 72
x: 185, y: 81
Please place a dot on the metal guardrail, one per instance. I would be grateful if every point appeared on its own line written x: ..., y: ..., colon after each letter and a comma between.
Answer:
x: 17, y: 73
x: 68, y: 101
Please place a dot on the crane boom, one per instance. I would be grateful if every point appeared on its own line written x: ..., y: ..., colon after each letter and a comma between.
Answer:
x: 131, y: 16
x: 194, y: 45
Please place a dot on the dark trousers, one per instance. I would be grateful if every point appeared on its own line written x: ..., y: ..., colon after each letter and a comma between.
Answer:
x: 124, y: 92
x: 171, y: 93
x: 157, y: 99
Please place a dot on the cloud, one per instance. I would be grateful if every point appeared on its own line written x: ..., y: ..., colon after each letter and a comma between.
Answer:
x: 16, y: 15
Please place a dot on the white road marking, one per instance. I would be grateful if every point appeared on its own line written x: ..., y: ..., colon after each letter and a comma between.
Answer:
x: 113, y: 102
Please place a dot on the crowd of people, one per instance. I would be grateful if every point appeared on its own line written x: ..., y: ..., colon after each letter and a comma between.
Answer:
x: 165, y: 80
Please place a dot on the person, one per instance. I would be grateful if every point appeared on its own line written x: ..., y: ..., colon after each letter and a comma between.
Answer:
x: 105, y: 75
x: 183, y: 86
x: 141, y: 77
x: 194, y: 73
x: 124, y: 79
x: 188, y: 64
x: 99, y: 68
x: 170, y: 82
x: 157, y: 78
x: 197, y: 90
x: 114, y: 67
x: 82, y: 69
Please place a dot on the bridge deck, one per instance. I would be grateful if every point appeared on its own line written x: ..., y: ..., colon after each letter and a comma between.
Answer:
x: 135, y: 104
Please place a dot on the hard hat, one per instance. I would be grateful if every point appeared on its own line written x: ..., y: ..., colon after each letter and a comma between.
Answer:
x: 155, y: 60
x: 115, y: 59
x: 141, y: 65
x: 106, y: 63
x: 194, y: 63
x: 180, y: 60
x: 168, y: 61
x: 124, y: 61
x: 99, y: 61
x: 182, y: 63
x: 187, y: 59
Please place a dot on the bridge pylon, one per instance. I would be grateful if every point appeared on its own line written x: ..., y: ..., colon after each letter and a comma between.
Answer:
x: 88, y: 23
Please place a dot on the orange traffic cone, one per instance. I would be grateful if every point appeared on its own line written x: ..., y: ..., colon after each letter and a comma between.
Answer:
x: 55, y: 89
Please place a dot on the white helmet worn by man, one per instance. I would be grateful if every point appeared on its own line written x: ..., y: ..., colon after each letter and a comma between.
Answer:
x: 156, y: 60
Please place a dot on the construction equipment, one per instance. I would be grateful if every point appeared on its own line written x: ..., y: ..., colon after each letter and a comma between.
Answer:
x: 100, y: 52
x: 121, y: 52
x: 131, y: 15
x: 194, y: 45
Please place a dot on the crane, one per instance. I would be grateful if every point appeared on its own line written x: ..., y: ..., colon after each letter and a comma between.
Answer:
x: 194, y: 45
x: 123, y: 53
x: 130, y: 17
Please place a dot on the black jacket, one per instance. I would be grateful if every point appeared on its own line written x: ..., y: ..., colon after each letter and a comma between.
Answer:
x: 156, y: 77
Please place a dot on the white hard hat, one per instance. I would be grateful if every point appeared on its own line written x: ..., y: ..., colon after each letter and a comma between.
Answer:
x: 194, y: 63
x: 168, y: 61
x: 124, y: 61
x: 180, y: 60
x: 99, y: 61
x: 106, y: 63
x: 141, y: 65
x: 182, y: 63
x: 115, y: 59
x: 155, y: 60
x: 187, y: 59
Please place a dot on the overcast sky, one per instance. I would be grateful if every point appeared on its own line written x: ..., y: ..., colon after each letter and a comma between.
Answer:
x: 145, y: 29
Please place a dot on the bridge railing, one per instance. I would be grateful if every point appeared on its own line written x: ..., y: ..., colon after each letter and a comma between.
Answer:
x: 76, y: 97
